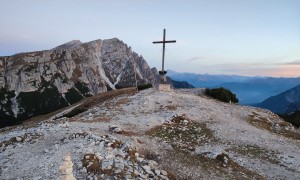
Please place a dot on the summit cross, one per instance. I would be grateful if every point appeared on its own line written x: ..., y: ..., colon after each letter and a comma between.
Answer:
x: 163, y: 72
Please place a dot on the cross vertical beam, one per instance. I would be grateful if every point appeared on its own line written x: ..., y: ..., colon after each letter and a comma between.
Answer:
x: 163, y: 55
x: 163, y: 72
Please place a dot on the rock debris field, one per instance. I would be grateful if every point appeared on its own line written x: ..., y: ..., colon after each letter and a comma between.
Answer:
x: 153, y: 135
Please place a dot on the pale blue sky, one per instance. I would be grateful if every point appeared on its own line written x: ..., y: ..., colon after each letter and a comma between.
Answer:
x: 244, y: 37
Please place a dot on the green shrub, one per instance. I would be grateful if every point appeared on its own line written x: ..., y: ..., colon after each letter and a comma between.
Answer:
x: 82, y: 87
x: 73, y: 96
x: 29, y: 68
x: 222, y: 94
x: 40, y: 102
x: 74, y: 112
x: 7, y: 117
x: 144, y: 86
x: 293, y: 118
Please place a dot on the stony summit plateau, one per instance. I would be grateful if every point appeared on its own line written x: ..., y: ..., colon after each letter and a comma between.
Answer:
x: 152, y: 135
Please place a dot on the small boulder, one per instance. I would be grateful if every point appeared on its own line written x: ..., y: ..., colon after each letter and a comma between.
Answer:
x: 56, y: 147
x: 163, y: 172
x: 139, y: 159
x: 157, y: 172
x: 116, y: 129
x: 153, y: 164
x: 19, y: 139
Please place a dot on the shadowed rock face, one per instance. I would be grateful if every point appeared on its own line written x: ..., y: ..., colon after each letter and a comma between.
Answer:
x: 68, y: 73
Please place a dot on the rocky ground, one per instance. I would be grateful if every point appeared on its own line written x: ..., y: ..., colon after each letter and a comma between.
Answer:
x: 153, y: 135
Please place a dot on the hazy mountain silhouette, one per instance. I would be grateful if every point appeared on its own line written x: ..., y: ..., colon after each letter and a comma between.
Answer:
x: 283, y: 103
x: 249, y: 90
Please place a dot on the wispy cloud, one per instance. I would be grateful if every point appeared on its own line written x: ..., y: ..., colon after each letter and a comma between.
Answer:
x: 195, y: 59
x: 296, y: 62
x: 270, y: 66
x: 261, y: 69
x: 27, y: 37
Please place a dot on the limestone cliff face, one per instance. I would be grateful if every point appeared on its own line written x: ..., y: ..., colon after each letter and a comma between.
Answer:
x: 68, y: 72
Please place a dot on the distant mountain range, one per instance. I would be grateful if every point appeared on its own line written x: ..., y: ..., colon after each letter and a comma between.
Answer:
x: 206, y: 80
x: 284, y: 103
x: 249, y: 90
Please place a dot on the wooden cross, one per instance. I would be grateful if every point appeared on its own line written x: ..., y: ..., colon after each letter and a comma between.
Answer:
x: 163, y: 72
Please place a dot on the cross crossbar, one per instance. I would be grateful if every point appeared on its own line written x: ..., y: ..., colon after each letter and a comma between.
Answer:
x: 156, y: 42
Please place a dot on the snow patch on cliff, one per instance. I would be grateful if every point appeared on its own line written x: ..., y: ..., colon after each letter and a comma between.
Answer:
x: 105, y: 78
x: 118, y: 79
x: 14, y: 106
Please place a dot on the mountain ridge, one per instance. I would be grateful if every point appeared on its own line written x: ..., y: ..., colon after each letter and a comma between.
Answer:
x: 249, y: 90
x: 286, y: 102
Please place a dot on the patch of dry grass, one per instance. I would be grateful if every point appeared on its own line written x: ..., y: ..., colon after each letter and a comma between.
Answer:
x: 183, y: 132
x: 91, y: 163
x: 222, y: 166
x: 28, y: 137
x: 116, y: 144
x: 171, y: 107
x: 94, y: 120
x: 122, y: 101
x: 260, y: 122
x: 132, y: 155
x: 184, y: 135
x: 275, y: 126
x: 257, y: 152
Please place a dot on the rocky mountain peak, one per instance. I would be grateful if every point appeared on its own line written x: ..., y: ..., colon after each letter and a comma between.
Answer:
x: 69, y: 45
x: 66, y: 74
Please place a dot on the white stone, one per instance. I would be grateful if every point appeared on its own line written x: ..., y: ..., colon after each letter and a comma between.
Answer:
x: 109, y: 156
x: 152, y: 164
x: 146, y: 168
x: 18, y: 139
x: 163, y: 172
x: 92, y: 143
x: 115, y: 129
x: 107, y: 164
x: 143, y: 176
x: 56, y: 147
x: 164, y: 177
x: 83, y: 170
x: 139, y: 159
x: 136, y: 172
x: 98, y: 155
x: 157, y: 172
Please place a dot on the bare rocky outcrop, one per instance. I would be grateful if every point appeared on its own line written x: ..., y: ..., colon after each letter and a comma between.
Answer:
x: 99, y: 64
